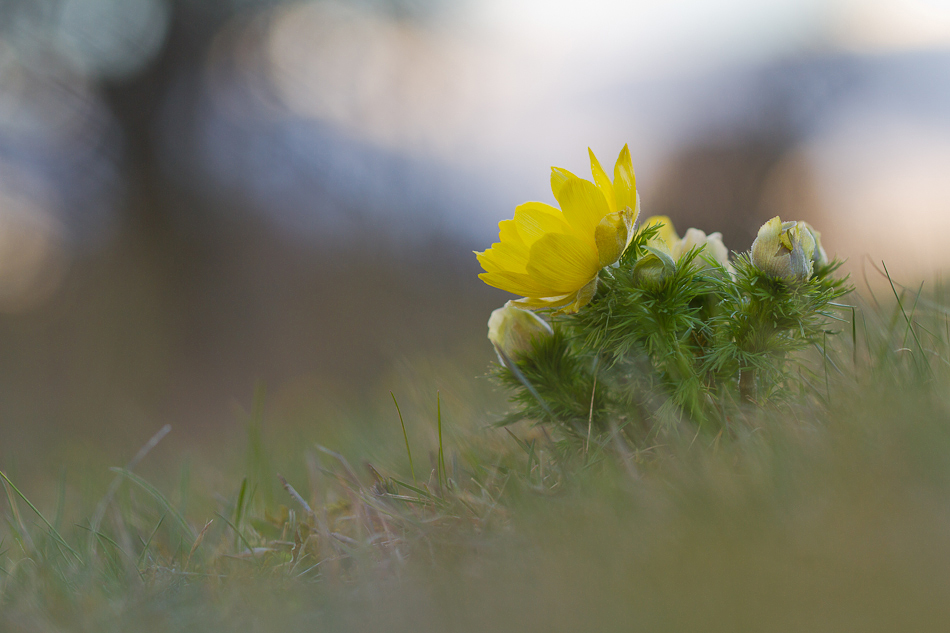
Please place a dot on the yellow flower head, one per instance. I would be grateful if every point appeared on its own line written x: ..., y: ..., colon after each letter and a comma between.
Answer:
x: 551, y: 256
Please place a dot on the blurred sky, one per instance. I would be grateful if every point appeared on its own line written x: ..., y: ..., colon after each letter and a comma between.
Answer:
x: 213, y: 167
x: 452, y: 112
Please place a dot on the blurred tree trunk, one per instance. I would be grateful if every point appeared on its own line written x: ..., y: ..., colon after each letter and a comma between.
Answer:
x: 136, y: 103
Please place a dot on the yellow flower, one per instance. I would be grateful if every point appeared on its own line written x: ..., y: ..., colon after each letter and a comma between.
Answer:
x: 551, y: 256
x: 511, y: 330
x: 785, y: 249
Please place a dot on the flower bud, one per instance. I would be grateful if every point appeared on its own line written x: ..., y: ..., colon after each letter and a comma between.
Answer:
x: 666, y: 237
x: 785, y: 250
x: 655, y: 266
x: 511, y: 330
x: 712, y: 246
x: 676, y: 247
x: 820, y: 258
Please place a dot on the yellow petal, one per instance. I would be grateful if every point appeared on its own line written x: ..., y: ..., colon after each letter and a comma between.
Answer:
x: 667, y: 233
x: 517, y: 283
x: 547, y: 302
x: 562, y: 263
x: 558, y: 178
x: 534, y: 219
x: 508, y: 232
x: 602, y: 181
x: 504, y: 257
x: 625, y: 182
x: 583, y: 205
x: 487, y: 261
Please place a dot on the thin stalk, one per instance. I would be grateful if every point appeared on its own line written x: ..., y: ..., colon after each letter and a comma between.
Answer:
x: 405, y: 436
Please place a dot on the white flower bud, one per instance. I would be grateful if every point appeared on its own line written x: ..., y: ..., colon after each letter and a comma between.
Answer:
x: 785, y: 250
x: 711, y: 244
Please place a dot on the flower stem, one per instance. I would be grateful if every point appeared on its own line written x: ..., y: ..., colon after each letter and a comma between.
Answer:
x: 747, y: 384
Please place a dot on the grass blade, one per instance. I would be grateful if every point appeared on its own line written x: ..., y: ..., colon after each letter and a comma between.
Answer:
x: 61, y: 500
x: 53, y: 530
x: 149, y: 541
x: 238, y: 532
x: 198, y: 540
x: 239, y: 510
x: 854, y: 339
x: 513, y: 368
x: 405, y: 436
x: 906, y: 318
x: 103, y: 504
x: 158, y: 496
x: 443, y: 476
x: 296, y: 496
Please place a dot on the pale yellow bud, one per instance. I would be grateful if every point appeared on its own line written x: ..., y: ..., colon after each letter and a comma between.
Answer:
x: 511, y: 330
x: 785, y: 250
x: 666, y: 237
x: 820, y: 258
x: 669, y: 242
x: 711, y: 244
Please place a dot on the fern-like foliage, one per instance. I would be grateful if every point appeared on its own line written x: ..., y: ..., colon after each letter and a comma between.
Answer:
x: 686, y: 347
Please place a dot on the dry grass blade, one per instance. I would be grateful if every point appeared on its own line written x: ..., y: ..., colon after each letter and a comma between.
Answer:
x: 351, y: 474
x: 344, y: 539
x: 299, y: 499
x: 201, y: 537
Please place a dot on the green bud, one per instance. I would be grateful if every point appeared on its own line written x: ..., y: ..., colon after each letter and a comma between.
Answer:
x: 511, y: 330
x: 654, y: 267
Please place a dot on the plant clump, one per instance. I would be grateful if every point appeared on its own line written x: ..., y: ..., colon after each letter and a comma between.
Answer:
x: 673, y: 333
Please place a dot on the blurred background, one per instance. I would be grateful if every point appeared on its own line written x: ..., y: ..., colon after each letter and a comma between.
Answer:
x: 202, y: 196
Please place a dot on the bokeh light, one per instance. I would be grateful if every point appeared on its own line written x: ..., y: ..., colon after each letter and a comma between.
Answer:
x: 110, y: 38
x: 197, y: 195
x: 33, y: 253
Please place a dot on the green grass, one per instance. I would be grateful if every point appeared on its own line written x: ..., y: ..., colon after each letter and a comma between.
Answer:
x: 829, y: 511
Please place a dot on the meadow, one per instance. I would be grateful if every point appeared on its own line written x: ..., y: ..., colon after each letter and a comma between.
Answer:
x: 824, y: 511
